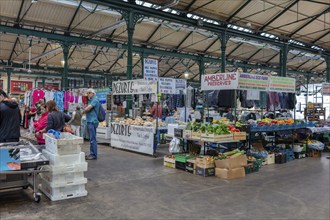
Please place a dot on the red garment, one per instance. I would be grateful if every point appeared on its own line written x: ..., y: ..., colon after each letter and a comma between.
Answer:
x: 40, y: 124
x: 154, y: 111
x: 85, y: 100
x: 37, y: 95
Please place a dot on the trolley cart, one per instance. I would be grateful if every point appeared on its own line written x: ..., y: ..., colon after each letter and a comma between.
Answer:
x: 29, y: 169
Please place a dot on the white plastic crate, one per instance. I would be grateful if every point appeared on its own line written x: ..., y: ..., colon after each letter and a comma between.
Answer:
x: 82, y: 167
x: 66, y: 179
x: 60, y: 193
x: 103, y: 132
x: 67, y: 144
x: 64, y: 160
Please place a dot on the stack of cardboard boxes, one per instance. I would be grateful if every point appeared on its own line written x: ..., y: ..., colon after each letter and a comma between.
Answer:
x: 231, y: 168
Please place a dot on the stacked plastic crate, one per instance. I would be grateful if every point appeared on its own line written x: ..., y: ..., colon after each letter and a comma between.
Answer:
x: 65, y: 178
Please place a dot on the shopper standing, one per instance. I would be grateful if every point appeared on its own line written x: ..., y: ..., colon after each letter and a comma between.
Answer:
x: 9, y: 119
x: 75, y: 121
x: 92, y: 122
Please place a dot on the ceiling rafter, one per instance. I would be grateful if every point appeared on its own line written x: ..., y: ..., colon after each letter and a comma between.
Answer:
x: 231, y: 52
x: 94, y: 58
x: 171, y: 67
x: 114, y: 63
x: 190, y: 5
x: 255, y: 53
x: 184, y: 39
x: 153, y: 33
x: 206, y: 49
x: 272, y: 58
x: 207, y: 3
x: 74, y: 15
x: 317, y: 65
x: 309, y: 22
x: 188, y: 68
x: 320, y: 37
x: 238, y: 10
x: 278, y: 15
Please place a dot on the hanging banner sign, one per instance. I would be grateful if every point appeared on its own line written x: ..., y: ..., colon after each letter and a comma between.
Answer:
x: 180, y: 85
x: 220, y: 81
x: 128, y: 87
x: 102, y: 93
x: 253, y: 82
x: 282, y: 84
x: 326, y: 89
x: 166, y: 85
x: 17, y: 86
x: 134, y: 138
x: 150, y: 69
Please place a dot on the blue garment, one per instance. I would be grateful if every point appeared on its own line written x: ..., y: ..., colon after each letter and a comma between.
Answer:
x: 59, y: 100
x: 92, y: 138
x: 92, y: 115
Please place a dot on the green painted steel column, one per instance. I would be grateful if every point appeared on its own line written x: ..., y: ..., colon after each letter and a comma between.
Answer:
x: 66, y: 49
x: 283, y: 60
x: 223, y: 39
x: 8, y: 81
x: 201, y: 69
x: 327, y: 60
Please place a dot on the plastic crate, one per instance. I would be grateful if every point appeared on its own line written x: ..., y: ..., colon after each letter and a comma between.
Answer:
x: 67, y: 168
x: 61, y: 193
x: 183, y: 158
x: 180, y: 165
x: 64, y: 180
x: 64, y: 160
x: 67, y: 144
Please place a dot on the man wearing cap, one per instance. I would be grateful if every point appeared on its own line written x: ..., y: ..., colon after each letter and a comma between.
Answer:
x: 92, y: 122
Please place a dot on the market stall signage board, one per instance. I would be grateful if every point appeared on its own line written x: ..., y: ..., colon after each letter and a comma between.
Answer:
x: 180, y: 85
x: 102, y: 93
x: 220, y: 81
x: 150, y: 69
x: 253, y: 82
x: 166, y: 85
x: 282, y: 84
x: 326, y: 89
x: 49, y: 86
x: 129, y: 87
x: 134, y: 138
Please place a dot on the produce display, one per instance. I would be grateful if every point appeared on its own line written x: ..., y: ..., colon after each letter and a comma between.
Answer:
x: 138, y: 121
x: 218, y: 128
x: 231, y: 154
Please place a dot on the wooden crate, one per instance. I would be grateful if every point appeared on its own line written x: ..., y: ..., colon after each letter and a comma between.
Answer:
x: 239, y: 136
x: 187, y: 134
x: 196, y: 135
x: 314, y: 153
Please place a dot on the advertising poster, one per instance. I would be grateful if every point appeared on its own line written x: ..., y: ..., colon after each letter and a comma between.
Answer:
x: 20, y: 86
x: 180, y: 85
x: 220, y: 81
x: 326, y: 89
x: 134, y: 138
x: 49, y: 86
x: 253, y: 82
x: 150, y: 69
x: 282, y: 84
x: 166, y: 85
x: 128, y: 87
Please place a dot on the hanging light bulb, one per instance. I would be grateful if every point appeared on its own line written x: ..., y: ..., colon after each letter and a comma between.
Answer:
x: 62, y: 62
x: 186, y: 74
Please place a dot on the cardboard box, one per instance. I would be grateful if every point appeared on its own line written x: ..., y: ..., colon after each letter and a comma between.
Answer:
x: 169, y: 162
x: 239, y: 136
x: 196, y: 135
x: 280, y: 158
x: 205, y: 171
x: 217, y: 138
x: 232, y: 163
x: 314, y: 153
x: 258, y: 146
x: 230, y: 173
x: 202, y: 162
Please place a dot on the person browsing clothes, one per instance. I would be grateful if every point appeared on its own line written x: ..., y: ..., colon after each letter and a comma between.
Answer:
x: 92, y: 122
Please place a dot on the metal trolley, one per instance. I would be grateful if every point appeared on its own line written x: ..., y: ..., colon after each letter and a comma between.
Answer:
x: 28, y: 175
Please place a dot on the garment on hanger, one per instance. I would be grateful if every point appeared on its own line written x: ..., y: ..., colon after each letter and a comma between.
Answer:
x: 245, y: 103
x: 273, y: 101
x: 59, y: 100
x: 262, y: 102
x: 291, y: 100
x: 49, y: 95
x: 37, y: 94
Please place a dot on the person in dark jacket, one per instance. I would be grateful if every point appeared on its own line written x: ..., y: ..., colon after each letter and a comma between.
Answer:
x: 10, y: 117
x: 56, y: 119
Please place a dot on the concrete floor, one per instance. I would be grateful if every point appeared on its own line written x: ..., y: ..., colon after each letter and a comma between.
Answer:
x: 125, y: 185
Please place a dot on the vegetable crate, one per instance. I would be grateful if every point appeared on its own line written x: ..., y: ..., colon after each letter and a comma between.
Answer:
x: 205, y: 171
x: 191, y: 166
x: 239, y: 136
x: 187, y: 134
x: 253, y: 166
x: 169, y: 162
x: 183, y: 157
x: 196, y: 135
x: 216, y: 137
x: 205, y: 162
x: 314, y: 153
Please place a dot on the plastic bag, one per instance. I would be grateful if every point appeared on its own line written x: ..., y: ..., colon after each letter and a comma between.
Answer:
x: 316, y: 145
x: 174, y: 145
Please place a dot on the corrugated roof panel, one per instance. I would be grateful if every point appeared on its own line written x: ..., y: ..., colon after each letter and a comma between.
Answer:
x: 263, y: 55
x: 144, y: 30
x: 9, y: 8
x: 50, y: 14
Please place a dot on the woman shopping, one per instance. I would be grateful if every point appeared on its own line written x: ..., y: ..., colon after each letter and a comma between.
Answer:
x: 56, y: 119
x: 41, y: 124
